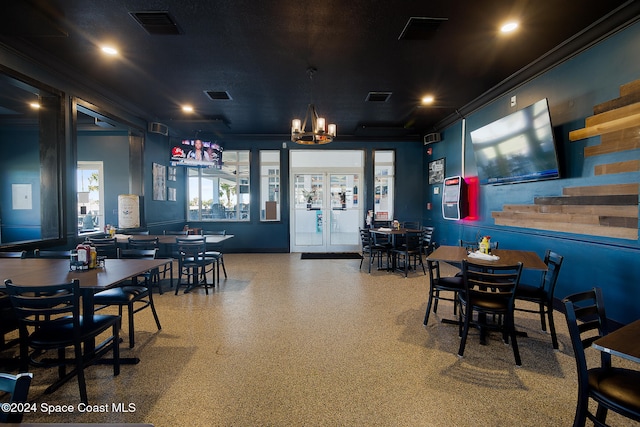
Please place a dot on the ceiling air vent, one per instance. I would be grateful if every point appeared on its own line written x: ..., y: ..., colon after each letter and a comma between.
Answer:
x: 216, y: 95
x: 378, y: 97
x: 421, y: 28
x: 156, y: 22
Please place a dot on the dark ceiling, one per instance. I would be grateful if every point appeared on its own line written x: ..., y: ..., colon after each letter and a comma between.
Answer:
x: 258, y: 53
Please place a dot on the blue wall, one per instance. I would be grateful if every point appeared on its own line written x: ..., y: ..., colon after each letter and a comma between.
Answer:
x: 19, y: 164
x: 572, y: 88
x: 112, y: 148
x: 257, y: 236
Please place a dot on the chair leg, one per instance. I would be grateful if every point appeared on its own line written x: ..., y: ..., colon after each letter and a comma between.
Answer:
x: 153, y: 310
x: 465, y: 331
x: 116, y: 349
x: 510, y: 323
x: 224, y: 270
x: 601, y: 413
x: 429, y: 302
x: 131, y: 329
x: 543, y: 323
x: 580, y: 418
x: 552, y: 326
x: 82, y: 385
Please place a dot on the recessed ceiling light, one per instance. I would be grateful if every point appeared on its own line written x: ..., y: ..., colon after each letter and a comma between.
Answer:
x: 187, y: 108
x: 509, y: 27
x: 427, y: 100
x: 109, y: 50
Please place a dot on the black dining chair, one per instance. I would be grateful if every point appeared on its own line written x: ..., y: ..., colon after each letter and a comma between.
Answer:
x: 489, y: 292
x: 17, y: 386
x: 105, y: 247
x: 135, y: 296
x: 13, y: 254
x: 438, y: 284
x: 612, y: 388
x: 194, y: 264
x: 52, y: 254
x: 216, y: 251
x: 49, y: 318
x: 410, y: 251
x: 428, y: 245
x: 411, y: 225
x: 370, y: 249
x: 8, y: 322
x: 150, y: 244
x: 542, y: 294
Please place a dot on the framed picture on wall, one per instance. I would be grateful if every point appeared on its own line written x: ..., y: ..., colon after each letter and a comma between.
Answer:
x: 171, y: 171
x: 171, y: 194
x: 159, y: 182
x: 436, y: 171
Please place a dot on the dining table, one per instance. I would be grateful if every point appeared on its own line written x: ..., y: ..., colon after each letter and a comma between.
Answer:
x: 393, y: 234
x: 623, y: 342
x: 167, y: 241
x: 455, y: 254
x: 109, y: 273
x: 501, y: 257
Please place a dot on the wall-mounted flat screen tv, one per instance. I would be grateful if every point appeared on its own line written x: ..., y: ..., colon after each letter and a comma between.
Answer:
x: 197, y: 153
x: 517, y: 148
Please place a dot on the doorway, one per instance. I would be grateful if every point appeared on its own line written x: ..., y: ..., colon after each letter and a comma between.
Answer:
x: 326, y: 208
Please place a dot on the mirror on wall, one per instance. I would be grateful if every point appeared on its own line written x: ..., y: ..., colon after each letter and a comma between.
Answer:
x: 108, y: 164
x: 32, y: 137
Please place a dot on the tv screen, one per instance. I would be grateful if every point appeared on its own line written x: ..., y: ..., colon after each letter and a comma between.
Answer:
x: 517, y: 148
x: 196, y: 152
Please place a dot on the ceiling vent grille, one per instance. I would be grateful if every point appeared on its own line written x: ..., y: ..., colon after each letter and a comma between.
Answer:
x: 378, y: 96
x: 421, y: 28
x: 216, y: 95
x: 156, y: 22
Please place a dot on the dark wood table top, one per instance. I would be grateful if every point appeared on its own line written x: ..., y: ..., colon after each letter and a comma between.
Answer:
x: 168, y: 239
x: 392, y: 231
x: 455, y: 254
x: 42, y: 271
x: 623, y: 342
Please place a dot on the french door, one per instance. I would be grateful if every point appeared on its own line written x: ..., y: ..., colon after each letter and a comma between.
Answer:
x: 327, y: 209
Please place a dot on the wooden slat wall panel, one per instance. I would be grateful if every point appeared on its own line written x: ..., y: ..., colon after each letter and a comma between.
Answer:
x: 629, y: 88
x: 591, y: 230
x: 607, y: 116
x: 606, y: 127
x: 623, y: 140
x: 614, y: 199
x: 625, y: 100
x: 604, y: 210
x: 615, y: 210
x: 618, y: 167
x: 602, y: 190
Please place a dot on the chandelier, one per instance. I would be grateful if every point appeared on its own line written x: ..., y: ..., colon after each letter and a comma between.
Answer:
x: 319, y: 133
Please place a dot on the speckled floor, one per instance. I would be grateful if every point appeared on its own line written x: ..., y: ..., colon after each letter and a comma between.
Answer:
x: 290, y: 342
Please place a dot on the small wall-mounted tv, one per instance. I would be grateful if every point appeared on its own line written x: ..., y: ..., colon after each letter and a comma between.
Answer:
x: 517, y: 148
x: 197, y: 153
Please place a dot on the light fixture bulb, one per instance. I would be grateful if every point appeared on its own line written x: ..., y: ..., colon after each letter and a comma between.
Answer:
x: 187, y: 108
x: 427, y: 99
x: 509, y: 27
x: 296, y: 125
x: 109, y: 50
x: 34, y: 105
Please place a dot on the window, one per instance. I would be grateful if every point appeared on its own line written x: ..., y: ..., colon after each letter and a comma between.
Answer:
x: 269, y: 185
x: 220, y: 194
x: 383, y: 185
x: 90, y: 194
